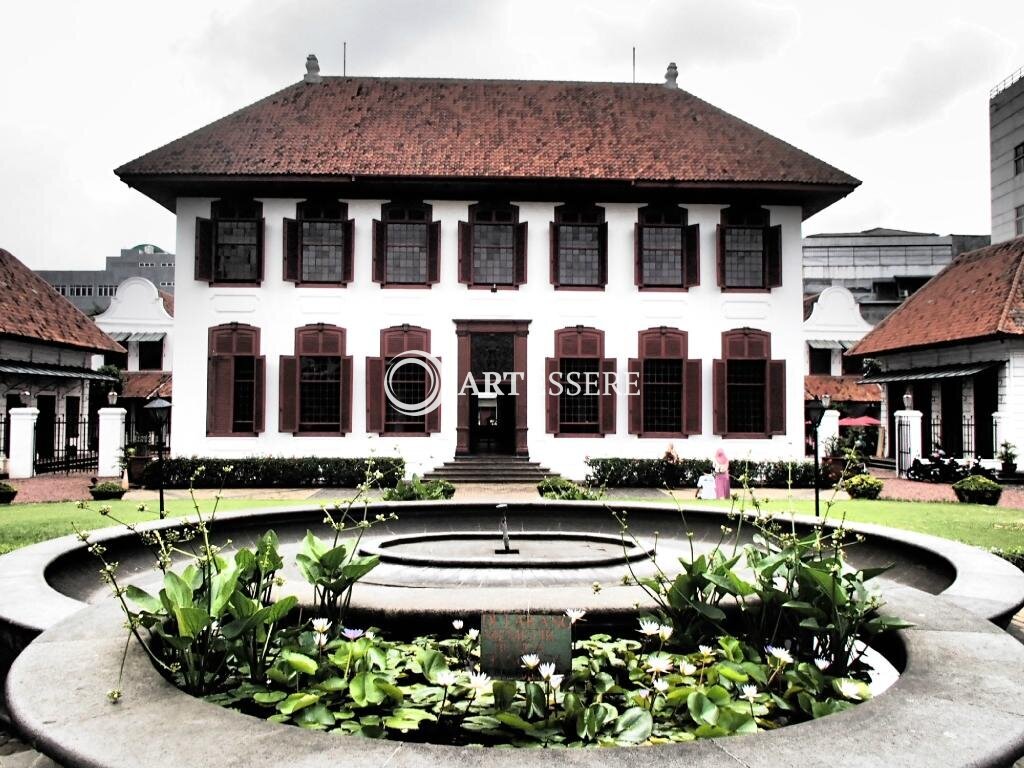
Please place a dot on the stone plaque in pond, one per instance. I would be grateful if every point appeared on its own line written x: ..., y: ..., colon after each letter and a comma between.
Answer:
x: 505, y: 637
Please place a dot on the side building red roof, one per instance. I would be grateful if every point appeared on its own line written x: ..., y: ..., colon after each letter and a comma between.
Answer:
x: 980, y: 295
x: 31, y: 309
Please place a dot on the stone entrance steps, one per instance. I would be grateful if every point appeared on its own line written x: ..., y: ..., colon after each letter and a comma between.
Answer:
x: 490, y: 469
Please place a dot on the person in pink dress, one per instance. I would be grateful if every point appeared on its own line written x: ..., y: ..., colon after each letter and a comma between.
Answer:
x: 721, y: 470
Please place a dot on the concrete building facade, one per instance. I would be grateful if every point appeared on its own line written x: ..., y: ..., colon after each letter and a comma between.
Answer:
x: 1006, y: 136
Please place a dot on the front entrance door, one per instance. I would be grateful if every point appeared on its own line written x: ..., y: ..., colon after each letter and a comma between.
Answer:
x: 46, y: 425
x: 492, y: 423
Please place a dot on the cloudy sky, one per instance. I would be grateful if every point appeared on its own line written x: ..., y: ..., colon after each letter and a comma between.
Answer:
x: 895, y: 93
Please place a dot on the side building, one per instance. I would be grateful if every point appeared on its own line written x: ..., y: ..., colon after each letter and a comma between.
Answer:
x: 543, y: 232
x: 92, y: 289
x: 1006, y: 138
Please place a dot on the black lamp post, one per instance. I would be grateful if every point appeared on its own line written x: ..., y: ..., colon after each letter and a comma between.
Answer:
x: 816, y: 410
x: 159, y: 409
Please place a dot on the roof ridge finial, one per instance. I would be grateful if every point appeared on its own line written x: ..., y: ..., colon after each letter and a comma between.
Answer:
x: 671, y: 74
x: 312, y: 70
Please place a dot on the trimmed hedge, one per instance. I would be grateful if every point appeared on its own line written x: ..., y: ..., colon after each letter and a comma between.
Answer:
x: 272, y: 472
x: 683, y: 473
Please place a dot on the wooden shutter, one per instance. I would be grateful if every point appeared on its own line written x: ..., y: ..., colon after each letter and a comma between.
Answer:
x: 379, y: 251
x: 773, y: 256
x: 465, y: 253
x: 260, y: 229
x: 519, y: 268
x: 602, y: 251
x: 432, y: 420
x: 734, y: 345
x: 375, y: 395
x: 720, y: 256
x: 288, y: 394
x: 348, y: 229
x: 590, y: 342
x: 550, y: 398
x: 691, y: 256
x: 635, y: 396
x: 346, y: 395
x: 259, y: 398
x: 692, y: 399
x: 638, y: 255
x: 553, y: 256
x: 719, y: 403
x: 608, y: 396
x: 204, y: 250
x: 219, y: 392
x: 776, y: 396
x: 291, y: 251
x: 434, y: 252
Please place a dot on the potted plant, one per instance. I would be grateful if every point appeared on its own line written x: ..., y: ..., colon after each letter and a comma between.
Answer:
x: 1008, y: 455
x: 7, y: 493
x: 862, y: 487
x: 106, y: 491
x: 975, y: 489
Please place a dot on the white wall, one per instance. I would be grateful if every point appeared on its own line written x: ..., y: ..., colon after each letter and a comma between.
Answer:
x: 363, y: 308
x: 137, y: 307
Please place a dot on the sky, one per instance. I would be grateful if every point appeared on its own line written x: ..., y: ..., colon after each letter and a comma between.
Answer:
x: 894, y: 93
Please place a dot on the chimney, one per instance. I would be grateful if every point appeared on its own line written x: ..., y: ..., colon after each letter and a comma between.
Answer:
x: 670, y: 75
x: 313, y: 69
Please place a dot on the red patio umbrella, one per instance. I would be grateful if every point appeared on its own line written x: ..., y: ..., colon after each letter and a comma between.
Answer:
x: 859, y: 421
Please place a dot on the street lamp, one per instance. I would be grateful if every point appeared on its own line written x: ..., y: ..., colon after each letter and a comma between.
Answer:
x: 816, y: 410
x: 159, y: 409
x: 112, y: 398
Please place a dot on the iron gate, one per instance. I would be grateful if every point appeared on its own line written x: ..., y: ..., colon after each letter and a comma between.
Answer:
x: 65, y: 446
x: 903, y: 457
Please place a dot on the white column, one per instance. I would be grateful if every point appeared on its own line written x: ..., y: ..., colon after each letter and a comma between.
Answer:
x: 828, y: 428
x: 910, y: 435
x: 111, y: 442
x: 21, y: 462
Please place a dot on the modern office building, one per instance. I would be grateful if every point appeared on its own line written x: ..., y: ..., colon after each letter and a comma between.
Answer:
x: 1006, y: 136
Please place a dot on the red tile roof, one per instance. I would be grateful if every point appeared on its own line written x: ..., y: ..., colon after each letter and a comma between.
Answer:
x: 146, y: 384
x: 979, y: 295
x: 842, y: 389
x: 168, y: 300
x: 508, y: 129
x: 30, y: 308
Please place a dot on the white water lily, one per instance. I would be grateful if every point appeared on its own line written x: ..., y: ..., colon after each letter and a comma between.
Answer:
x: 686, y: 668
x: 664, y: 632
x: 555, y: 681
x: 659, y: 665
x: 643, y: 693
x: 320, y: 639
x: 446, y: 678
x: 849, y: 689
x: 748, y: 692
x: 458, y: 624
x: 706, y: 650
x: 322, y: 626
x: 479, y: 681
x: 780, y: 653
x: 473, y: 634
x: 821, y: 663
x: 575, y: 614
x: 530, y: 660
x: 547, y: 670
x: 660, y: 685
x: 648, y: 627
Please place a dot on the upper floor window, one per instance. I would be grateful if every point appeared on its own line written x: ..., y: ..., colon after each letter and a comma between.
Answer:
x: 579, y: 398
x: 1018, y: 159
x: 236, y: 381
x: 106, y: 290
x: 665, y: 395
x: 405, y: 382
x: 749, y: 387
x: 492, y: 246
x: 151, y: 355
x: 229, y: 246
x: 579, y: 247
x: 318, y: 245
x: 749, y: 250
x: 667, y: 250
x: 316, y: 383
x: 1018, y: 220
x: 819, y: 361
x: 406, y: 245
x: 79, y: 290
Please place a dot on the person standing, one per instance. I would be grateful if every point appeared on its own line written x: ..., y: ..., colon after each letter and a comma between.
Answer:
x: 721, y: 471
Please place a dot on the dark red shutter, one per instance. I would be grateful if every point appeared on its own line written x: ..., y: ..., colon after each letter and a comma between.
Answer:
x: 602, y: 251
x: 432, y: 420
x: 219, y: 391
x: 519, y: 274
x: 375, y: 395
x: 465, y: 253
x: 291, y: 250
x: 691, y: 256
x: 608, y: 395
x: 259, y: 398
x: 288, y: 394
x: 719, y: 404
x: 554, y: 254
x: 638, y: 255
x: 773, y: 256
x: 734, y: 345
x: 692, y: 400
x: 550, y: 395
x: 379, y: 251
x: 346, y: 395
x: 260, y: 229
x: 776, y: 405
x: 720, y: 256
x: 348, y: 229
x: 204, y: 250
x: 634, y: 396
x: 434, y: 252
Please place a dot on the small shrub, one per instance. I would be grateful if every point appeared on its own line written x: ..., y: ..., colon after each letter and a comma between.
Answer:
x: 274, y: 472
x: 108, y: 486
x: 862, y: 487
x: 683, y: 473
x: 6, y: 486
x: 560, y: 488
x: 417, y: 490
x: 975, y: 489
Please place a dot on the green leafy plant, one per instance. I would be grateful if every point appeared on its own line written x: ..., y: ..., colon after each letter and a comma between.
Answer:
x: 1007, y: 452
x: 976, y: 489
x: 274, y: 472
x: 419, y: 490
x: 862, y: 487
x: 560, y: 488
x: 6, y: 486
x: 684, y: 473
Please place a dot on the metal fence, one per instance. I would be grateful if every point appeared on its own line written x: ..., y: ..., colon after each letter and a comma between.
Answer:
x: 935, y: 443
x: 967, y: 430
x: 903, y: 457
x: 65, y: 446
x: 5, y: 435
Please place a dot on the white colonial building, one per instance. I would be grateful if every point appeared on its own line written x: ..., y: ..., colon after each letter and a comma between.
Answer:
x: 534, y: 228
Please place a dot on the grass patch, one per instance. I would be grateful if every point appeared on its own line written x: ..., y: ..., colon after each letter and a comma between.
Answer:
x: 24, y: 524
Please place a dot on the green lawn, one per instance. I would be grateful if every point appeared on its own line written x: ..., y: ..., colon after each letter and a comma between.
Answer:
x: 24, y: 524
